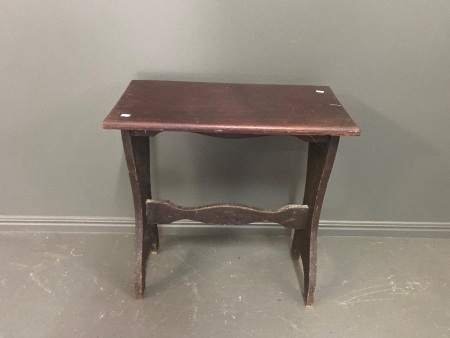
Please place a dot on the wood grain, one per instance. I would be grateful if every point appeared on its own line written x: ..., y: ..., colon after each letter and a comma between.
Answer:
x: 166, y: 212
x: 230, y: 108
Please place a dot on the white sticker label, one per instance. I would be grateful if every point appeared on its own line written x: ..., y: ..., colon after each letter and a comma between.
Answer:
x: 320, y: 91
x: 125, y: 115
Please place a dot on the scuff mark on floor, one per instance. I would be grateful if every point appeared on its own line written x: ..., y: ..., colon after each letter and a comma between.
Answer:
x: 38, y: 282
x: 74, y: 255
x: 379, y: 293
x: 292, y: 324
x: 196, y: 300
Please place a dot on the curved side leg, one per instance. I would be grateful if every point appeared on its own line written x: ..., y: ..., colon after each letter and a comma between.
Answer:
x: 304, y: 244
x: 137, y: 154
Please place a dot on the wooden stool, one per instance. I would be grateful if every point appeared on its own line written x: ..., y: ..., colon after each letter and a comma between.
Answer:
x: 310, y: 113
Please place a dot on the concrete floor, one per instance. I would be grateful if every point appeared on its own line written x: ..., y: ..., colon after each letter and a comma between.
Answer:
x: 221, y: 285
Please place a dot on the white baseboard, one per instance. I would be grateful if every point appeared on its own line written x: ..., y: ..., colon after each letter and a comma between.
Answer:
x: 126, y: 225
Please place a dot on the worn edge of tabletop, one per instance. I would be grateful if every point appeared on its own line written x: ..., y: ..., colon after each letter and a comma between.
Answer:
x: 227, y: 129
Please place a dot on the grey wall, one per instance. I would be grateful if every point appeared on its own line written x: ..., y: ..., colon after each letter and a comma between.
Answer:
x: 63, y: 65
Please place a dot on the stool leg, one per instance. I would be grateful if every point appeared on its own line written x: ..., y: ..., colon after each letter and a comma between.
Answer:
x: 137, y: 154
x: 304, y: 244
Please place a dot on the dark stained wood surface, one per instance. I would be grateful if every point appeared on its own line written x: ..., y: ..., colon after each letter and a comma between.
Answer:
x: 137, y: 155
x: 304, y: 244
x: 165, y: 212
x: 215, y: 108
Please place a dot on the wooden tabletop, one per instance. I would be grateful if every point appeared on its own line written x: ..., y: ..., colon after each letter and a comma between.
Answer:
x: 227, y: 108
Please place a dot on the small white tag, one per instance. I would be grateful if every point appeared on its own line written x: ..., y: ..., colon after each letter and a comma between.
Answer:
x: 320, y: 91
x: 125, y: 115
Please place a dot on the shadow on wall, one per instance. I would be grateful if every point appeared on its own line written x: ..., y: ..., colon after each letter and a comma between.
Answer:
x: 381, y: 176
x: 192, y: 170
